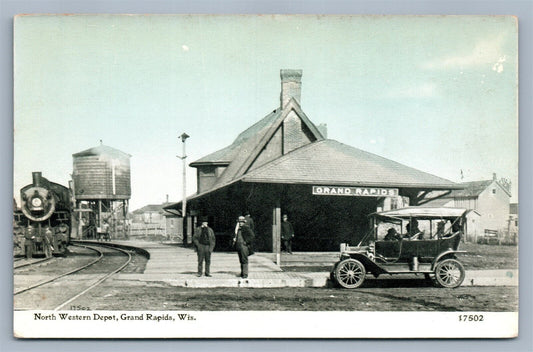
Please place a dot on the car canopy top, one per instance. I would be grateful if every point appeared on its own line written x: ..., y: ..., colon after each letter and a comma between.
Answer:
x: 422, y: 213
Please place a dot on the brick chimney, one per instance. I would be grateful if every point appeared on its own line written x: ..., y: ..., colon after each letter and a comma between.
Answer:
x: 291, y: 86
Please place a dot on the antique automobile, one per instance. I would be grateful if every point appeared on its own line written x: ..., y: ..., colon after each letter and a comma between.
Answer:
x: 412, y: 240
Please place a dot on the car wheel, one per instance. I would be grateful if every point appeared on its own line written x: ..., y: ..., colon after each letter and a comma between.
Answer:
x: 449, y: 273
x: 350, y: 273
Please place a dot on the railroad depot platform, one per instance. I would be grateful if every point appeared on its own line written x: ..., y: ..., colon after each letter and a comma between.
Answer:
x: 176, y: 265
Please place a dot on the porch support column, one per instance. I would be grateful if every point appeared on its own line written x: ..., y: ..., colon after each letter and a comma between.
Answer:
x: 80, y: 225
x: 99, y: 213
x: 276, y: 231
x: 189, y: 229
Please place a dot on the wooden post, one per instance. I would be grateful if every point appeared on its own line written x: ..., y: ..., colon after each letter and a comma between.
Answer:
x: 99, y: 217
x: 125, y: 229
x: 276, y: 232
x: 80, y: 225
x: 189, y: 229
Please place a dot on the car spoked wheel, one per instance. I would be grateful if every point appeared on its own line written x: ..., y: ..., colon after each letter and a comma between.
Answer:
x: 350, y: 273
x: 449, y: 273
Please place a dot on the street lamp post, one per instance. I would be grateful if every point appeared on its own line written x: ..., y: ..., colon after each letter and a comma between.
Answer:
x: 183, y: 138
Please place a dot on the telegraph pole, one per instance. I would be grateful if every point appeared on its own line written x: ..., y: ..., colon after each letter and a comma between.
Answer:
x: 183, y: 158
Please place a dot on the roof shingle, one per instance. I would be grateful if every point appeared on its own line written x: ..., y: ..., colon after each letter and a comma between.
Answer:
x: 331, y: 162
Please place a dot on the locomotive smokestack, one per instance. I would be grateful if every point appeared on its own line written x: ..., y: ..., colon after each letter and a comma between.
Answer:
x: 36, y: 178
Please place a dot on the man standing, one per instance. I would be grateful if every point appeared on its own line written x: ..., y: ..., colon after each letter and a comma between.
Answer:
x: 204, y: 240
x: 105, y: 228
x: 251, y: 224
x: 249, y: 221
x: 28, y: 244
x: 48, y: 239
x: 244, y: 237
x: 287, y: 233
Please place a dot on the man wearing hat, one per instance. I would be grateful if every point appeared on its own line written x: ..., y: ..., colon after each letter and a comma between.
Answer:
x: 287, y: 233
x: 244, y: 237
x: 392, y: 235
x: 204, y: 240
x: 413, y: 232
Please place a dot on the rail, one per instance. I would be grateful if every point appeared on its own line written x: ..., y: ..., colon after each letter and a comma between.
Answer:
x: 41, y: 283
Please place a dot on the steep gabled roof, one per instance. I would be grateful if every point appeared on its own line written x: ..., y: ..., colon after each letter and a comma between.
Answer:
x: 241, y: 154
x: 474, y: 189
x: 249, y: 136
x: 335, y: 163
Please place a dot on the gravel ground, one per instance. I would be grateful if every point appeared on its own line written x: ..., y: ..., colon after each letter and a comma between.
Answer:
x: 76, y: 257
x: 79, y: 256
x: 54, y: 293
x: 484, y: 256
x: 375, y: 295
x: 405, y: 295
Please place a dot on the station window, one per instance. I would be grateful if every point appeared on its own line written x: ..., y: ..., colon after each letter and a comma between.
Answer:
x: 494, y: 191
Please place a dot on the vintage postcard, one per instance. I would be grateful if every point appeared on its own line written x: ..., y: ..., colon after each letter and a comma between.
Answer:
x: 265, y: 176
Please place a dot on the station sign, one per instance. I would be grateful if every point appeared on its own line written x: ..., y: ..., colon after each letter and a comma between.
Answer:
x: 355, y: 191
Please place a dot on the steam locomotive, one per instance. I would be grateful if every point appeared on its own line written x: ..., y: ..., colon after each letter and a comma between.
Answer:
x: 42, y: 224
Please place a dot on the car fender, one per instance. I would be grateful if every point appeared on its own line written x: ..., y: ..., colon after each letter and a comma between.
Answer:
x: 370, y: 266
x: 444, y: 255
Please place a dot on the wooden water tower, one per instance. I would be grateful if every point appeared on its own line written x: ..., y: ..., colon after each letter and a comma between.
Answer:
x: 102, y: 189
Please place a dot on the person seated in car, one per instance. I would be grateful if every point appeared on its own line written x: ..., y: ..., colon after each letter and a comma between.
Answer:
x: 456, y: 227
x: 413, y: 232
x: 392, y: 235
x: 440, y: 229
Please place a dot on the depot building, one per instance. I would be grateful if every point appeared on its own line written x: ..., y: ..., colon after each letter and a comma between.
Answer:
x: 284, y: 164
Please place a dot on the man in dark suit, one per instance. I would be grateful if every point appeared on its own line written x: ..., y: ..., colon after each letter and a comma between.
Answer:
x: 243, y: 240
x: 249, y: 220
x: 287, y: 233
x: 204, y: 240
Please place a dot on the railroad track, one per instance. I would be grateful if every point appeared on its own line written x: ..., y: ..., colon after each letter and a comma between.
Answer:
x: 30, y: 263
x: 93, y: 284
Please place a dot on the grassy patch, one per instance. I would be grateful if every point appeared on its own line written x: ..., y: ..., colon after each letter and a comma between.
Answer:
x: 483, y: 256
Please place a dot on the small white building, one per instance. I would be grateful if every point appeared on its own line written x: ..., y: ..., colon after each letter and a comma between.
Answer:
x: 489, y: 198
x: 152, y: 222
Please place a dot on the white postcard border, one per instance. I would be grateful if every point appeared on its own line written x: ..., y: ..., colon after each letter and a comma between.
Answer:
x: 263, y: 324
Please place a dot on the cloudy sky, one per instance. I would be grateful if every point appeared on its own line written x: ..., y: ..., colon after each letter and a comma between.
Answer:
x: 435, y: 93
